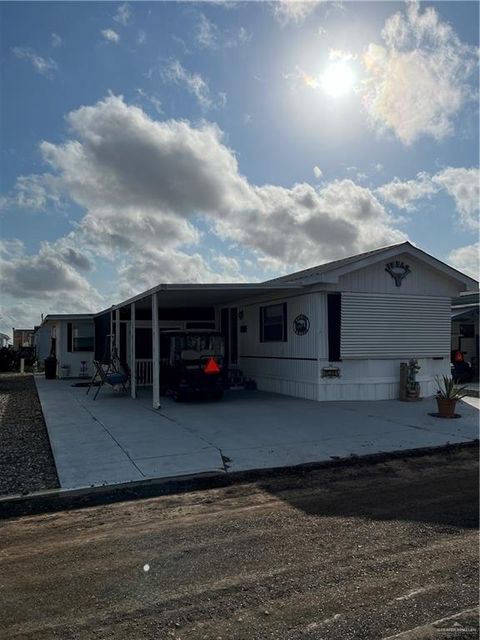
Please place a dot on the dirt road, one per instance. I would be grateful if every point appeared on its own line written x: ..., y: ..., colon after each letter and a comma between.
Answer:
x: 361, y: 552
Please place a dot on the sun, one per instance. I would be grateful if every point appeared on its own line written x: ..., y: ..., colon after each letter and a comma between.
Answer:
x: 338, y: 79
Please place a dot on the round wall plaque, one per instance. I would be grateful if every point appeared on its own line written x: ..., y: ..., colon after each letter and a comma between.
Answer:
x: 301, y: 325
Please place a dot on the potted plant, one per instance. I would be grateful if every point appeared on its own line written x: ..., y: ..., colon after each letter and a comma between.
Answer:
x: 447, y: 395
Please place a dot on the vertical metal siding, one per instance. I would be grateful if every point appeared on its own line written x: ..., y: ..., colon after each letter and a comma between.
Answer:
x: 289, y: 367
x: 389, y: 326
x: 423, y: 280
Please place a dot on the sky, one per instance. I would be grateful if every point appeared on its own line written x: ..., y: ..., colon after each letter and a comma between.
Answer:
x: 227, y: 142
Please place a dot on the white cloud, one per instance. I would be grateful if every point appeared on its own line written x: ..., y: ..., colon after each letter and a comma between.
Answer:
x: 56, y: 40
x: 209, y: 36
x: 460, y: 183
x: 47, y: 282
x: 464, y: 186
x: 296, y: 11
x: 173, y: 71
x: 17, y: 313
x: 418, y: 81
x: 206, y: 33
x: 110, y: 35
x: 123, y: 14
x: 12, y: 248
x: 404, y: 193
x: 317, y: 172
x: 466, y: 259
x: 143, y: 184
x: 152, y: 99
x: 303, y: 226
x: 242, y: 37
x: 45, y: 274
x: 228, y: 265
x: 45, y: 66
x: 33, y: 192
x: 236, y: 38
x: 141, y: 36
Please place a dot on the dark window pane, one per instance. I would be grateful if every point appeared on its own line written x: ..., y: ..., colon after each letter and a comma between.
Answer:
x: 273, y: 320
x: 274, y: 313
x: 83, y: 344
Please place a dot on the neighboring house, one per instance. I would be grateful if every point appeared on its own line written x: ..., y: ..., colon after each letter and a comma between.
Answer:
x: 22, y: 338
x: 465, y: 312
x: 71, y: 339
x: 338, y: 331
x: 4, y: 340
x: 42, y: 341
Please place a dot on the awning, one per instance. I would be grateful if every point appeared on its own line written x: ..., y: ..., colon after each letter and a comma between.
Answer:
x: 197, y: 295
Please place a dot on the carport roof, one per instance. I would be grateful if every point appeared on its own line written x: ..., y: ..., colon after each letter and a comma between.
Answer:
x: 181, y: 295
x: 67, y: 316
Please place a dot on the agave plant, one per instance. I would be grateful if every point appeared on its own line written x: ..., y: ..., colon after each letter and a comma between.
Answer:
x: 448, y: 390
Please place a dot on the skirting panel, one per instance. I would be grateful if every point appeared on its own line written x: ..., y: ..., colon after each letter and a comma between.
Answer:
x: 307, y: 390
x: 388, y: 390
x: 335, y: 391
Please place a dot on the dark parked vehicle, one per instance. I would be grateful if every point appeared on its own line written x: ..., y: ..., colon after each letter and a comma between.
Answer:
x: 193, y: 365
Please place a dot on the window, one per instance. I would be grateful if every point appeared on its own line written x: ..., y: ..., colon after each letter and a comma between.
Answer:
x: 273, y: 323
x: 80, y: 336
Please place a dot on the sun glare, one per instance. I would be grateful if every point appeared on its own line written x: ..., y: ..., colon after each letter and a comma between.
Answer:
x: 338, y: 79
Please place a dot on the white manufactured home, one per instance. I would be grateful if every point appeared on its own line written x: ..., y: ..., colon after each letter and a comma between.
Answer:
x: 338, y: 331
x: 70, y: 338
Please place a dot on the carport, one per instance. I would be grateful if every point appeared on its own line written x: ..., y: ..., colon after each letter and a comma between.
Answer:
x: 173, y: 306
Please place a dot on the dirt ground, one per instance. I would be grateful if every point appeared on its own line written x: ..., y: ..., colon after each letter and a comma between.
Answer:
x: 26, y: 460
x: 386, y: 550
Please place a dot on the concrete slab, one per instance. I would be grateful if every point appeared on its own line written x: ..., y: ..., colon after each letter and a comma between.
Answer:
x: 116, y: 439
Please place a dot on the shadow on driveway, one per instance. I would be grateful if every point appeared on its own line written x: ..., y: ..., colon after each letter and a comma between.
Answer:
x: 440, y: 489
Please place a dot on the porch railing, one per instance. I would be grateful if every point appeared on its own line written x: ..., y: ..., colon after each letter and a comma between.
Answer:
x: 144, y: 373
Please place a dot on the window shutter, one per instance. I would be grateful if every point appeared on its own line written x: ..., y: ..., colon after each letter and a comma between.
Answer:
x: 69, y: 337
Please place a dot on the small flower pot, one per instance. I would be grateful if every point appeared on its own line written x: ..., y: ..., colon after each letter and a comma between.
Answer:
x: 446, y: 407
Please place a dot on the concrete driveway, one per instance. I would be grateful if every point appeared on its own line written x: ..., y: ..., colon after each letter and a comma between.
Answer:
x: 116, y: 439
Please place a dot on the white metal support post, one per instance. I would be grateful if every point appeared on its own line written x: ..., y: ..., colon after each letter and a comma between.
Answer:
x: 155, y: 353
x: 117, y: 332
x: 133, y: 362
x: 58, y: 347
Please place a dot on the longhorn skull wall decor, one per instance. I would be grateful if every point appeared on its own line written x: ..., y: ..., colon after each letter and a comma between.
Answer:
x: 398, y: 270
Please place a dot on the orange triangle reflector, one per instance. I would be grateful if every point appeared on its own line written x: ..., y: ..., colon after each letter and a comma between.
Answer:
x: 211, y: 366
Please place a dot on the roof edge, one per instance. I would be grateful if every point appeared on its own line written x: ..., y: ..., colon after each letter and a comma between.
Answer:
x: 217, y: 286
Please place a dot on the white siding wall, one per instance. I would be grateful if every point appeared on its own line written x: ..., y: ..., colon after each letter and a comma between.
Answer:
x: 366, y: 377
x: 72, y: 359
x: 378, y: 379
x: 289, y: 367
x: 422, y: 280
x: 380, y: 325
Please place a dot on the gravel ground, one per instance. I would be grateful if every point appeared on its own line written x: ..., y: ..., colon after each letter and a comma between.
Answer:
x: 26, y: 461
x: 386, y: 550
